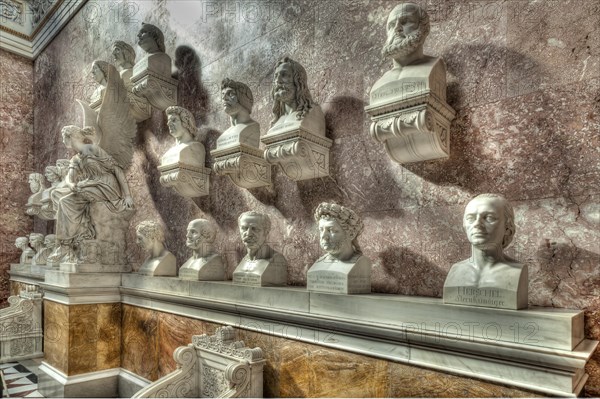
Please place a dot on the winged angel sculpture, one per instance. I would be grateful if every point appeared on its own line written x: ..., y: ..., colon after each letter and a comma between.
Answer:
x: 104, y: 150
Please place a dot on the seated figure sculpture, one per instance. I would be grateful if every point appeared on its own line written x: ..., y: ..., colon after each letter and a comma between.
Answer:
x: 205, y: 263
x: 489, y: 278
x: 238, y: 154
x: 182, y: 166
x: 296, y: 139
x: 160, y: 262
x: 34, y: 203
x: 343, y: 269
x: 262, y: 265
x: 408, y: 103
x: 152, y: 74
x: 28, y: 253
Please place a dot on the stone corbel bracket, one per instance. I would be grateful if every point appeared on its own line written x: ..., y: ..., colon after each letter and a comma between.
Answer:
x: 160, y: 91
x: 302, y: 155
x: 244, y: 165
x: 413, y: 129
x: 187, y: 180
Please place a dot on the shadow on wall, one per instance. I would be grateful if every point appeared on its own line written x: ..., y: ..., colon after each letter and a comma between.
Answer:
x: 192, y: 95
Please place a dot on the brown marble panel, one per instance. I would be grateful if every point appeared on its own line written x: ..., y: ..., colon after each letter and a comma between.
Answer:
x: 83, y: 338
x: 108, y: 346
x: 56, y: 335
x: 139, y: 341
x: 413, y: 382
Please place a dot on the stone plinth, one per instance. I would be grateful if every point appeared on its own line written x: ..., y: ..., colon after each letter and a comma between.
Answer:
x: 244, y: 165
x: 262, y: 272
x: 187, y: 180
x: 339, y: 277
x: 207, y: 269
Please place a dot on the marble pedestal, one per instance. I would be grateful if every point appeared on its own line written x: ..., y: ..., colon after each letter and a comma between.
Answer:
x: 160, y: 90
x: 339, y: 277
x: 187, y: 180
x: 261, y: 272
x: 205, y: 269
x: 244, y: 165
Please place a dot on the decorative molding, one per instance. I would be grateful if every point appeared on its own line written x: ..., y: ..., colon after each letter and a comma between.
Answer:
x: 244, y: 165
x: 21, y: 326
x: 34, y: 37
x: 187, y: 180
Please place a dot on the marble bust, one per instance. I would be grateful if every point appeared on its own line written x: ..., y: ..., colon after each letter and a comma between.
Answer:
x: 489, y: 278
x: 124, y: 59
x: 36, y: 241
x: 237, y: 101
x: 182, y: 126
x: 262, y: 265
x: 49, y: 247
x: 152, y: 41
x: 53, y: 176
x: 150, y: 237
x: 343, y: 269
x: 205, y: 263
x: 408, y: 103
x: 100, y: 74
x: 23, y: 244
x: 36, y: 185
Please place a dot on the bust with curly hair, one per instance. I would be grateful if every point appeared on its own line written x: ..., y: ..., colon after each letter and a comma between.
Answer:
x: 28, y: 253
x: 187, y: 150
x: 489, y: 278
x: 204, y: 264
x: 36, y: 185
x: 262, y: 265
x: 150, y: 236
x: 343, y: 269
x: 237, y: 101
x: 293, y: 106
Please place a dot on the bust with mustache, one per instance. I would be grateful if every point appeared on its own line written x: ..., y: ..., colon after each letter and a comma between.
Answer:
x: 187, y: 151
x: 262, y: 265
x: 205, y: 263
x: 489, y: 278
x: 412, y: 72
x: 343, y: 262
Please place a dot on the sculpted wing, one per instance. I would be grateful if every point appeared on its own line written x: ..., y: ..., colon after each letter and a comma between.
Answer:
x: 90, y: 118
x: 117, y: 126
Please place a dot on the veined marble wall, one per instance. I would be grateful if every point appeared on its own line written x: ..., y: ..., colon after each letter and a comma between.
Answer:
x: 16, y: 161
x: 523, y: 77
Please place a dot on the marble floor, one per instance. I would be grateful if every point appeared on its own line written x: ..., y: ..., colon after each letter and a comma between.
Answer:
x: 21, y: 378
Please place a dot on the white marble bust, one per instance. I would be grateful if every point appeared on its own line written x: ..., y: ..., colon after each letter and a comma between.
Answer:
x: 23, y: 244
x: 36, y: 241
x: 187, y: 150
x: 237, y: 101
x: 152, y: 41
x: 489, y: 277
x: 293, y: 106
x: 343, y: 269
x: 413, y: 72
x: 100, y: 74
x: 36, y: 185
x: 262, y: 265
x: 205, y: 263
x: 53, y: 176
x: 150, y: 237
x: 124, y: 59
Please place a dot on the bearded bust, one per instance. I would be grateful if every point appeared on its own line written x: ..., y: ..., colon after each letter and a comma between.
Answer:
x: 413, y: 73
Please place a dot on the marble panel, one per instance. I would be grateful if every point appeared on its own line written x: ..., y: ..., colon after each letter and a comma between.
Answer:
x: 56, y: 335
x: 83, y: 336
x: 592, y: 329
x: 108, y: 346
x: 140, y: 343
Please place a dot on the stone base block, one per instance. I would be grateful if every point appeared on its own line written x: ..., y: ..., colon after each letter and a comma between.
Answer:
x: 244, y: 165
x: 262, y: 273
x: 53, y: 383
x: 188, y: 181
x: 69, y: 267
x: 340, y: 277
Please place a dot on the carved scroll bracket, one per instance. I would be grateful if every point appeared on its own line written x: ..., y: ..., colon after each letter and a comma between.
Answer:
x: 188, y: 181
x: 160, y: 91
x: 244, y: 165
x: 302, y: 155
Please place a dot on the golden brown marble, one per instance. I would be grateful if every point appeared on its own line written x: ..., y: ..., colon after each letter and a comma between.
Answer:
x: 56, y: 335
x: 140, y: 341
x: 83, y: 336
x: 108, y: 354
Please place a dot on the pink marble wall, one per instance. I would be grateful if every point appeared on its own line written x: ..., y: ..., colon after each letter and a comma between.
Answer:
x: 16, y: 161
x: 523, y: 77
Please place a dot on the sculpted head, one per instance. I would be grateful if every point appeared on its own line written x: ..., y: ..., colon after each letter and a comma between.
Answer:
x: 235, y: 95
x: 338, y: 228
x: 52, y: 173
x: 200, y: 232
x: 22, y: 243
x: 407, y: 28
x: 123, y: 54
x: 149, y: 233
x: 489, y: 221
x: 36, y: 239
x: 181, y: 123
x: 50, y: 241
x: 290, y: 86
x: 151, y: 39
x: 36, y: 182
x: 72, y: 134
x: 254, y: 229
x: 100, y: 72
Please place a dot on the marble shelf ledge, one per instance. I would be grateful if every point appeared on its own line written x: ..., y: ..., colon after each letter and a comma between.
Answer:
x: 539, y: 349
x: 25, y: 274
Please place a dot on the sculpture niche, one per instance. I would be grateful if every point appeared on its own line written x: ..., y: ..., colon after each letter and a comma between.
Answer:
x: 124, y: 59
x: 343, y: 269
x: 408, y: 106
x: 36, y: 185
x: 205, y: 263
x: 212, y: 367
x: 262, y: 266
x: 238, y: 154
x: 296, y: 139
x: 151, y: 77
x: 160, y: 262
x: 489, y: 277
x: 182, y: 167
